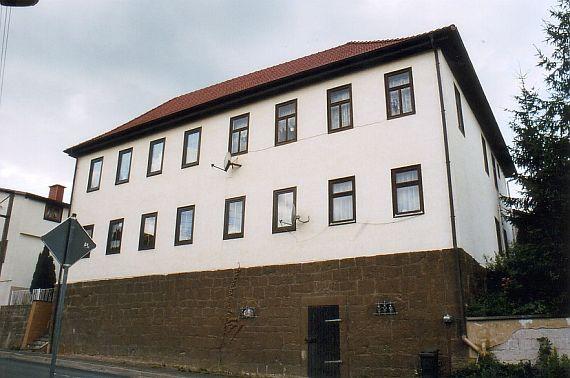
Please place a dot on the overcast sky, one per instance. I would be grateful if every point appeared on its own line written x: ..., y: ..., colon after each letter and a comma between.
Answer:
x: 78, y: 68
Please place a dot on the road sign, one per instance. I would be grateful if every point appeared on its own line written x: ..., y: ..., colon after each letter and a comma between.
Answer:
x: 68, y: 242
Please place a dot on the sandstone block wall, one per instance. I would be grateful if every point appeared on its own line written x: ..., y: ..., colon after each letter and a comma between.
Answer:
x: 191, y: 319
x: 13, y: 321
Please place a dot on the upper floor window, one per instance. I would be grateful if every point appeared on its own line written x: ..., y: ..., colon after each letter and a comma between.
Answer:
x: 284, y: 205
x: 114, y: 237
x: 340, y: 108
x: 485, y: 159
x: 399, y: 93
x: 89, y: 230
x: 155, y: 157
x: 239, y: 134
x: 124, y: 166
x: 494, y: 163
x: 459, y: 110
x: 234, y: 217
x: 53, y: 212
x: 498, y: 232
x: 95, y: 174
x: 286, y: 122
x: 184, y: 225
x: 407, y: 191
x: 342, y: 201
x: 147, y: 235
x: 191, y: 152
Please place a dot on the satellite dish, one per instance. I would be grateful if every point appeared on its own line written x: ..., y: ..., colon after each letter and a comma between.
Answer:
x: 227, y: 161
x: 18, y: 3
x: 297, y: 218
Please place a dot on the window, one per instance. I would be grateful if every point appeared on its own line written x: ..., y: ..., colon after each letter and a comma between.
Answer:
x: 147, y: 235
x: 95, y: 174
x: 124, y: 166
x: 89, y: 229
x: 498, y: 232
x: 340, y: 108
x: 459, y: 110
x: 53, y: 212
x: 506, y: 240
x: 184, y: 225
x: 485, y: 161
x: 286, y: 122
x: 114, y: 236
x: 155, y: 157
x: 342, y: 201
x: 494, y: 163
x: 407, y: 191
x: 399, y: 93
x: 234, y: 218
x: 284, y: 205
x: 239, y: 134
x: 191, y: 153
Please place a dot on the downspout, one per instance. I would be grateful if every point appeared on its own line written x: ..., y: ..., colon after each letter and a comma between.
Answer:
x: 462, y: 323
x: 4, y: 240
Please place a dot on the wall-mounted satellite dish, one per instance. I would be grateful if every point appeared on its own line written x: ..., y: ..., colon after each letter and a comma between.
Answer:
x: 227, y: 163
x: 18, y: 3
x: 298, y: 217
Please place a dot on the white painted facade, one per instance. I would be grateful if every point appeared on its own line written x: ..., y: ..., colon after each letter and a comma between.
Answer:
x: 26, y: 226
x: 368, y: 151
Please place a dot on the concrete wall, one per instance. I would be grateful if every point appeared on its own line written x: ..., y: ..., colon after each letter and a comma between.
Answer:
x: 27, y: 225
x: 475, y: 197
x: 13, y: 321
x: 190, y: 319
x: 515, y: 339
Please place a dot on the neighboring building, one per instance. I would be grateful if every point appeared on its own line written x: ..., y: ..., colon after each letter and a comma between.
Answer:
x: 24, y: 218
x: 358, y: 178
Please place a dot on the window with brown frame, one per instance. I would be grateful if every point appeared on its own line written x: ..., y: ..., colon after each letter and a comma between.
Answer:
x: 184, y: 225
x: 459, y: 110
x: 342, y: 201
x: 284, y: 205
x: 147, y: 235
x: 114, y: 236
x: 399, y: 93
x: 498, y: 231
x: 234, y: 217
x: 124, y: 166
x: 407, y: 191
x: 95, y: 170
x: 339, y: 108
x: 89, y: 230
x: 485, y: 159
x: 286, y: 122
x: 494, y: 163
x: 239, y: 134
x: 191, y: 151
x: 53, y: 212
x: 155, y: 157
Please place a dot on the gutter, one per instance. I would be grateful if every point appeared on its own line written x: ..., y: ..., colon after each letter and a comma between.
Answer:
x: 462, y: 324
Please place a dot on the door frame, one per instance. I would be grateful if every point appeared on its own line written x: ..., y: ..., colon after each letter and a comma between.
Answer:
x: 342, y: 302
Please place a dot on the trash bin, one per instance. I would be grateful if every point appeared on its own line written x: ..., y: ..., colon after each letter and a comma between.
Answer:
x: 429, y: 364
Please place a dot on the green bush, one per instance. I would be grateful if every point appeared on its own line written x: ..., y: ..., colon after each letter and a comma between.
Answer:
x: 548, y: 365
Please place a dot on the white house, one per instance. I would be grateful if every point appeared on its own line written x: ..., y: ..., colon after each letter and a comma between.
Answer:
x: 24, y: 218
x: 367, y: 149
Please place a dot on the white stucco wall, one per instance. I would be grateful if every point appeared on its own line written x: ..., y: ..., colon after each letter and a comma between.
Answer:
x: 27, y: 225
x: 476, y: 199
x: 369, y: 152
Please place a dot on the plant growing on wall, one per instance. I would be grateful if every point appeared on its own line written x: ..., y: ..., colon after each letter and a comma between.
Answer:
x: 44, y: 275
x: 532, y: 277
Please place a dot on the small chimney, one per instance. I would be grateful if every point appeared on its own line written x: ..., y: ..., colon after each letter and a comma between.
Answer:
x: 56, y: 192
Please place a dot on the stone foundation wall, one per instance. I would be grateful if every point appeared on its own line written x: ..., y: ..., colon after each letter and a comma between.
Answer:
x: 191, y: 320
x: 13, y: 321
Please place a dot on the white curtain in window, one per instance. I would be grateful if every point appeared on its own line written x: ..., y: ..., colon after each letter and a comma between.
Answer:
x: 406, y: 100
x: 406, y: 176
x: 96, y: 175
x: 285, y: 210
x: 335, y: 120
x: 342, y: 208
x: 192, y: 142
x: 408, y: 198
x: 235, y: 210
x: 345, y: 110
x: 156, y: 163
x: 186, y: 225
x: 125, y: 166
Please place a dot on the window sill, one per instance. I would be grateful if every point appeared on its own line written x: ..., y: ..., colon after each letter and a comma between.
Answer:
x: 402, y: 215
x: 342, y: 222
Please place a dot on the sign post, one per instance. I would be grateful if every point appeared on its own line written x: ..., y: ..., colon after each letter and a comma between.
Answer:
x: 68, y: 242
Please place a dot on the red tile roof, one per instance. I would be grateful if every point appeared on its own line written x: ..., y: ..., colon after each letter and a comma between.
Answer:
x: 252, y: 80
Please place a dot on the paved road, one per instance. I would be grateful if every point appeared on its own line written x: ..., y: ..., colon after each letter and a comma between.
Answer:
x: 11, y: 368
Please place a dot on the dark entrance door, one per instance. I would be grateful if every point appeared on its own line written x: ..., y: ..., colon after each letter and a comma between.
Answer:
x: 324, y: 341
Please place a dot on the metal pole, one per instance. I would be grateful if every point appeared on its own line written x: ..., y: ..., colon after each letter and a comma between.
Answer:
x: 58, y: 316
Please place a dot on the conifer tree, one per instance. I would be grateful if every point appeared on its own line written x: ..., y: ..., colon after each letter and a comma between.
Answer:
x: 44, y: 275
